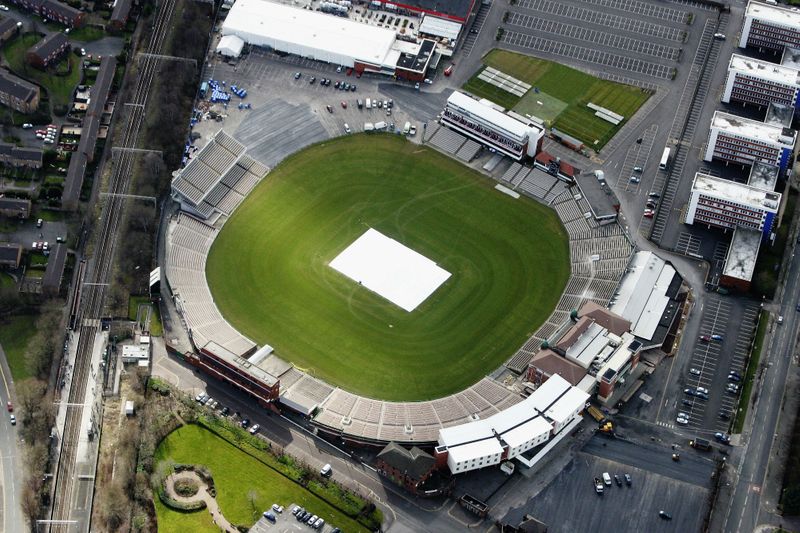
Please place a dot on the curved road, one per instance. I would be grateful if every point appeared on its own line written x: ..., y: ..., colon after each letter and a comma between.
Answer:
x: 11, y: 518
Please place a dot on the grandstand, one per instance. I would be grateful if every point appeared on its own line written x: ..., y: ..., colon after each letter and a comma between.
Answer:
x: 217, y: 179
x: 212, y: 185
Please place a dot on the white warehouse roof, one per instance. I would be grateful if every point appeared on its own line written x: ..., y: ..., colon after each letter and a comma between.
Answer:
x: 230, y: 46
x: 489, y: 114
x: 440, y: 27
x: 308, y: 33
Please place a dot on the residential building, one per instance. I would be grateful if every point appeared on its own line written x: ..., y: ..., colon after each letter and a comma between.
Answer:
x: 15, y: 207
x: 54, y: 272
x: 119, y: 15
x: 413, y: 469
x: 55, y: 11
x: 8, y: 29
x: 48, y: 51
x: 10, y: 255
x: 729, y: 205
x: 17, y: 93
x: 84, y: 154
x: 16, y: 156
x: 482, y: 121
x: 742, y: 140
x: 757, y: 82
x: 770, y: 27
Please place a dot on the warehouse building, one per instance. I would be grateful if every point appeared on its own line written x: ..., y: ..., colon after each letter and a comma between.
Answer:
x: 456, y: 10
x: 328, y: 38
x: 483, y: 122
x: 729, y: 205
x: 753, y: 81
x: 770, y: 27
x: 742, y: 140
x: 545, y: 416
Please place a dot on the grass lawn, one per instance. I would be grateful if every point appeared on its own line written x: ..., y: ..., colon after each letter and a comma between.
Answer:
x: 236, y: 474
x: 15, y: 333
x: 171, y: 521
x: 156, y: 329
x: 6, y: 280
x: 559, y: 84
x: 86, y: 34
x: 58, y: 87
x: 268, y: 269
x: 750, y: 374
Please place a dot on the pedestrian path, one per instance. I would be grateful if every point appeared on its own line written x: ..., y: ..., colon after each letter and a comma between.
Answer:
x: 202, y: 494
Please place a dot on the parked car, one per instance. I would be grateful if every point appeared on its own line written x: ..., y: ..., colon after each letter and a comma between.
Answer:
x: 318, y: 523
x: 687, y: 403
x: 718, y: 338
x: 722, y: 437
x: 702, y: 389
x: 702, y: 395
x: 649, y: 213
x: 329, y: 108
x: 27, y: 126
x: 13, y: 420
x: 724, y: 415
x: 297, y: 75
x: 254, y: 429
x: 617, y: 480
x: 732, y: 387
x: 654, y: 195
x: 628, y: 480
x: 225, y: 411
x: 269, y: 516
x: 326, y: 471
x: 635, y: 179
x: 694, y: 371
x: 665, y: 515
x: 690, y: 392
x: 682, y: 421
x: 344, y: 104
x: 734, y: 378
x: 10, y: 407
x: 245, y: 422
x: 705, y: 338
x: 277, y: 508
x: 637, y: 169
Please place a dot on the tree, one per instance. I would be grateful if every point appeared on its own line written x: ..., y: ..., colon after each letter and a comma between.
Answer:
x: 114, y: 506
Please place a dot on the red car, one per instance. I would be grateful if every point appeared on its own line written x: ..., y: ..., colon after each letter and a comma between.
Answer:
x: 10, y: 407
x: 649, y: 213
x: 344, y: 104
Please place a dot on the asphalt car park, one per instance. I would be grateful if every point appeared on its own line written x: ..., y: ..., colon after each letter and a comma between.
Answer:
x: 569, y: 503
x: 726, y: 332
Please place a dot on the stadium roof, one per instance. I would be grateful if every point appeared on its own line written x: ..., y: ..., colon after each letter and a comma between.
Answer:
x: 489, y: 114
x: 644, y: 294
x: 742, y: 254
x: 736, y: 192
x: 260, y: 22
x: 752, y: 129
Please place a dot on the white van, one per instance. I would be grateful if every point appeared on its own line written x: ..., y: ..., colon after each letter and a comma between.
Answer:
x: 369, y: 103
x: 606, y: 479
x: 406, y: 128
x: 347, y: 128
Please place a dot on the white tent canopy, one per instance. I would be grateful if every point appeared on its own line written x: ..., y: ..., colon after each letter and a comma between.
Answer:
x: 230, y: 45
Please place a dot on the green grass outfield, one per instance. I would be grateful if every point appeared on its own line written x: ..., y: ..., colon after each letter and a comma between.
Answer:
x: 268, y: 269
x: 235, y: 474
x: 565, y: 84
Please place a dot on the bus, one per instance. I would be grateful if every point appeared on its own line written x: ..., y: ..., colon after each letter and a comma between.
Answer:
x: 664, y: 159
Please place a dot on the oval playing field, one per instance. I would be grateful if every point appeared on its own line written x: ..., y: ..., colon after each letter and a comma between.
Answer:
x: 269, y: 271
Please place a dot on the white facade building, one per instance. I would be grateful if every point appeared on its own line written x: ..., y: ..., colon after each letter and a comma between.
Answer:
x: 770, y: 27
x: 729, y: 205
x: 753, y: 81
x: 510, y: 433
x: 743, y: 141
x: 492, y: 127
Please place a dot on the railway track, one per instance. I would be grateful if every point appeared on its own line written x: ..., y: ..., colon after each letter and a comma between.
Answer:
x: 89, y: 310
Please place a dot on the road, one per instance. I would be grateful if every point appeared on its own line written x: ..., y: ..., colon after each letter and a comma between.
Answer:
x: 746, y: 505
x: 11, y: 475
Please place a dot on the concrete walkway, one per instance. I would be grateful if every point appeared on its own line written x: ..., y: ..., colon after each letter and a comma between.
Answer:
x: 202, y: 494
